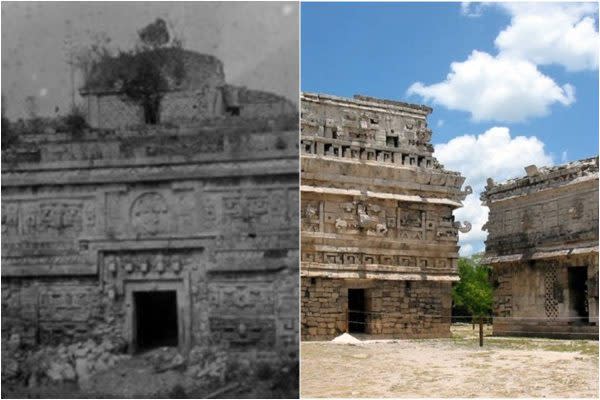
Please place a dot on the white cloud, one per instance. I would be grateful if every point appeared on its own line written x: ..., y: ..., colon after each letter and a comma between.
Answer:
x: 508, y: 86
x: 496, y: 88
x: 493, y: 154
x: 552, y: 33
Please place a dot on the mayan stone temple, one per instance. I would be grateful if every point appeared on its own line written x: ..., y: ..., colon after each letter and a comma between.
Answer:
x: 543, y: 246
x: 378, y: 239
x: 173, y: 234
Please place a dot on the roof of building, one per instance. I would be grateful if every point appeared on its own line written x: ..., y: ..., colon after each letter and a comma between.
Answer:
x: 540, y: 178
x: 367, y: 101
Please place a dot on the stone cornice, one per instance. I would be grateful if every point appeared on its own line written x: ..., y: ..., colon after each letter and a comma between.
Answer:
x: 369, y: 103
x: 124, y: 174
x: 375, y: 271
x: 543, y: 179
x: 380, y: 195
x: 540, y: 254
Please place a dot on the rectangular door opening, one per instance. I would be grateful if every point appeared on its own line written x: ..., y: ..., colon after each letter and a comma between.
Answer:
x: 357, y: 317
x: 155, y: 319
x: 578, y: 293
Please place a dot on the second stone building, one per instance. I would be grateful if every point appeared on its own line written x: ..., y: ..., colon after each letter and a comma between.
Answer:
x: 379, y: 241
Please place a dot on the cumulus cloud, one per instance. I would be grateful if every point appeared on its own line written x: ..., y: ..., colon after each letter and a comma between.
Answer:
x: 508, y: 86
x: 552, y: 33
x: 496, y: 88
x: 493, y: 154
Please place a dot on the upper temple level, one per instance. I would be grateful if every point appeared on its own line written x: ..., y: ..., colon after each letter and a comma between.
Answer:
x: 550, y: 211
x: 372, y: 144
x: 366, y: 128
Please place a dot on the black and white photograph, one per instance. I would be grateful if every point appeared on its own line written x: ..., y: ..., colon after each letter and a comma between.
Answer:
x: 150, y: 199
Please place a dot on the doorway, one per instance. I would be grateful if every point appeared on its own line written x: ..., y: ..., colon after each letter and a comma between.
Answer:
x: 155, y: 319
x: 357, y: 317
x: 578, y: 293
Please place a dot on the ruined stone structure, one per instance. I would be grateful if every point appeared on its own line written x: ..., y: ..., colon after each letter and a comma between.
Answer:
x: 200, y: 93
x: 543, y: 246
x: 378, y: 239
x: 154, y: 236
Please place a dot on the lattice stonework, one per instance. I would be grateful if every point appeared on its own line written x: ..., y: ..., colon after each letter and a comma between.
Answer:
x: 550, y: 282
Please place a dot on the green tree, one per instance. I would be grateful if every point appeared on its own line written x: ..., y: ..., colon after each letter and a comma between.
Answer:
x: 473, y: 293
x: 156, y: 58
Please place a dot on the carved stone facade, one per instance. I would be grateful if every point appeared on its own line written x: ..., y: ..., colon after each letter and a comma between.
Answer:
x: 200, y: 93
x: 91, y: 225
x: 543, y: 246
x: 379, y: 241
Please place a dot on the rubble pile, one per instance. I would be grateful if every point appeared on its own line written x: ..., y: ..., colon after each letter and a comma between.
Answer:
x: 55, y: 364
x: 208, y: 363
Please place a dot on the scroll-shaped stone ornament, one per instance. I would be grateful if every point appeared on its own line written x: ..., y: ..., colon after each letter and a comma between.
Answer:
x: 468, y: 190
x: 463, y: 229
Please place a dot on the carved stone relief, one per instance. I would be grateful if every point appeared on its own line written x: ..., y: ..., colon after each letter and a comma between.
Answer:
x: 149, y: 214
x: 58, y: 218
x: 258, y: 333
x: 358, y: 216
x: 311, y: 217
x: 233, y: 298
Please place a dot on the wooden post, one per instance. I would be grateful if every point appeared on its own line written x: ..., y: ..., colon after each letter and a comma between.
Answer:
x: 480, y: 332
x: 347, y: 319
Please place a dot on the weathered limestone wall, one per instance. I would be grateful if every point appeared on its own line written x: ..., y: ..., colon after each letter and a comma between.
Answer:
x: 540, y: 228
x: 187, y: 106
x: 209, y: 213
x: 377, y: 207
x: 399, y: 309
x: 201, y: 94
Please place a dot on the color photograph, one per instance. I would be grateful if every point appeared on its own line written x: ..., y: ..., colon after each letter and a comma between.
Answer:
x: 449, y: 200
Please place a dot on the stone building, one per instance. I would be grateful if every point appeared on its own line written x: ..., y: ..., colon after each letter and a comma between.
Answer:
x: 378, y: 239
x: 154, y: 236
x: 196, y: 93
x: 543, y: 247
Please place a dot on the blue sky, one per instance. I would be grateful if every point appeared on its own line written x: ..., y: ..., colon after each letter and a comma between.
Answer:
x: 523, y: 89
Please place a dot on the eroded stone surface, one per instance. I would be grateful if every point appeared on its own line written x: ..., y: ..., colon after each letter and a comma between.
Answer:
x: 376, y: 214
x: 205, y: 210
x: 543, y: 246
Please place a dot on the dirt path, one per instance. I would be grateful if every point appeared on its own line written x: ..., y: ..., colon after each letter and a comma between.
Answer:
x: 513, y: 367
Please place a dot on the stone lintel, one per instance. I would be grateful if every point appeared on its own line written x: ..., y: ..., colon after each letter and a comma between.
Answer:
x: 379, y: 276
x: 416, y: 249
x: 369, y: 104
x: 379, y: 195
x: 309, y: 267
x: 539, y: 254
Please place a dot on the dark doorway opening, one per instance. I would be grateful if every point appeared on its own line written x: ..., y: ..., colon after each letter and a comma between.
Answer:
x: 578, y: 293
x: 156, y: 319
x: 357, y: 317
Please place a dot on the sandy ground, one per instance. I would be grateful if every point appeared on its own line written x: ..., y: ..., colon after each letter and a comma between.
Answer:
x: 457, y: 367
